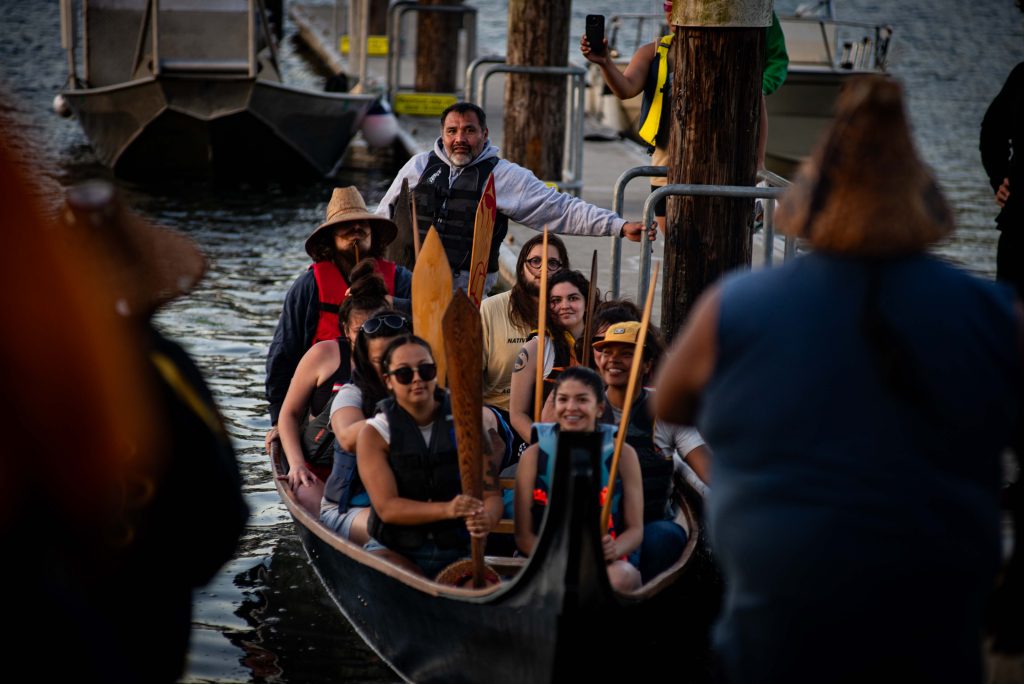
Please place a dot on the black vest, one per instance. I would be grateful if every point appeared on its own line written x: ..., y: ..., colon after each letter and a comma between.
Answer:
x: 453, y: 210
x: 422, y: 473
x: 655, y: 465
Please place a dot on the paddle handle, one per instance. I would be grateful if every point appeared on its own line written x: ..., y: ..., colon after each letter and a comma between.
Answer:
x: 634, y: 372
x: 542, y: 319
x: 588, y: 328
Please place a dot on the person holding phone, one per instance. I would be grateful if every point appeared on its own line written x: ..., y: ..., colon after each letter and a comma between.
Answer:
x: 645, y: 75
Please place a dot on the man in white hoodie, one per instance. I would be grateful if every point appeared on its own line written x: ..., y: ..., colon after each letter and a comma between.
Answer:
x: 448, y: 181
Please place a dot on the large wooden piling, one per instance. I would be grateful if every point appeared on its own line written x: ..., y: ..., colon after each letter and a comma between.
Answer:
x: 718, y: 57
x: 437, y: 48
x: 538, y: 35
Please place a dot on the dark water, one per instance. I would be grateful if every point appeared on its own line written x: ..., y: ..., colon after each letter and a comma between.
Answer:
x: 265, y: 617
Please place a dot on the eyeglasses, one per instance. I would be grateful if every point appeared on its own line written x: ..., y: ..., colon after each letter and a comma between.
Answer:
x: 392, y: 321
x: 535, y: 262
x: 403, y: 374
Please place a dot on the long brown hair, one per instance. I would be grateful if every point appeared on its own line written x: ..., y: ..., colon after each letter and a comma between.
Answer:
x: 523, y: 302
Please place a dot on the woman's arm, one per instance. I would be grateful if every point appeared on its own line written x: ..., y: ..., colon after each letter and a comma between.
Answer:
x: 628, y: 83
x: 526, y: 474
x: 314, y: 367
x: 689, y: 364
x: 628, y: 540
x: 346, y: 424
x: 521, y: 392
x: 379, y: 480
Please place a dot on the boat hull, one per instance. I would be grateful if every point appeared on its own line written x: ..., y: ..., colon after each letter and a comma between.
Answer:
x: 557, y: 618
x: 230, y: 127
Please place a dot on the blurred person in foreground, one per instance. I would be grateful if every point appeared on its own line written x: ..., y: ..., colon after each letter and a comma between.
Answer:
x: 856, y: 512
x: 120, y: 489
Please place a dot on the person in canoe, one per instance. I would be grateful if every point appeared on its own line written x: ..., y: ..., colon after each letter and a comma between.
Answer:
x: 448, y: 182
x: 408, y: 462
x: 310, y: 312
x: 567, y: 306
x: 304, y: 422
x: 579, y: 403
x: 345, y: 505
x: 655, y: 442
x: 508, y: 318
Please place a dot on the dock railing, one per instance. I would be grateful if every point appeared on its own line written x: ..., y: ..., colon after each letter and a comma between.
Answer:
x: 572, y: 165
x: 776, y: 187
x: 396, y: 44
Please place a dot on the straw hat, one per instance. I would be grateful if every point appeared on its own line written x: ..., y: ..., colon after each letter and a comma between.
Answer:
x: 145, y: 266
x: 864, y: 191
x: 347, y: 205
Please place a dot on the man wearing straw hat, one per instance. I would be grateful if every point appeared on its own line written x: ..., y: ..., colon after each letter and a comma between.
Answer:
x: 310, y: 315
x: 449, y: 181
x: 858, y: 401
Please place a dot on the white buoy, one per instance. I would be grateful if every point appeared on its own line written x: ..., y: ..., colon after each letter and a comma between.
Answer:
x: 61, y: 106
x: 379, y: 125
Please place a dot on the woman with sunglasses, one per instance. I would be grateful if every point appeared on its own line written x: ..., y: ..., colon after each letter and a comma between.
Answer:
x: 408, y: 462
x: 578, y: 404
x: 304, y: 421
x: 344, y: 508
x: 567, y: 306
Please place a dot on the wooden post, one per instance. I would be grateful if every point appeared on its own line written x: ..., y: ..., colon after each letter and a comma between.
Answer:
x: 378, y: 17
x: 437, y: 48
x: 715, y: 106
x: 538, y: 35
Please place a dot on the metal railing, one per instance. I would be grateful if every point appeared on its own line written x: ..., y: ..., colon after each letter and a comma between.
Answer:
x: 396, y: 12
x: 572, y: 166
x: 617, y: 201
x: 691, y: 190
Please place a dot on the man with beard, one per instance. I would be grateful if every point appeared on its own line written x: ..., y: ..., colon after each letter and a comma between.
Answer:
x: 448, y: 181
x: 508, y: 318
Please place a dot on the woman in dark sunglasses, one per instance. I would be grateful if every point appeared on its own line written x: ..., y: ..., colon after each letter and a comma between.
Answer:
x: 304, y: 421
x: 408, y: 462
x: 345, y: 505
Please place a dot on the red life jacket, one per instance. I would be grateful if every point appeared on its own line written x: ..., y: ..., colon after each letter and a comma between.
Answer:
x: 332, y: 287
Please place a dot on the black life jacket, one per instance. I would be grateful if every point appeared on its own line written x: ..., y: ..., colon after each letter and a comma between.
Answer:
x: 315, y: 432
x: 452, y: 210
x: 422, y: 473
x: 656, y: 466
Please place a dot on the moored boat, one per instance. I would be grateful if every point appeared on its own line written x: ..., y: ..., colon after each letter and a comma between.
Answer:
x: 182, y: 87
x: 555, y: 616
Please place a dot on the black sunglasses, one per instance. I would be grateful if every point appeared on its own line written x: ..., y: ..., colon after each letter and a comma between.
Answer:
x: 403, y: 374
x: 392, y: 321
x: 535, y: 262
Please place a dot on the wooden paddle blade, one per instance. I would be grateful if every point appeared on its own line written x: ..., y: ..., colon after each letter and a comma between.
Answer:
x: 463, y: 340
x: 431, y: 292
x: 483, y: 232
x: 401, y: 250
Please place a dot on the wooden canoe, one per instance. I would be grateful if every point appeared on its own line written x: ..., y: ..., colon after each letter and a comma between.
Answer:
x: 556, y: 617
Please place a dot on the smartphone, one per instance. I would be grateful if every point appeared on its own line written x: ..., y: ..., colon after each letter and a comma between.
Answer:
x: 595, y: 33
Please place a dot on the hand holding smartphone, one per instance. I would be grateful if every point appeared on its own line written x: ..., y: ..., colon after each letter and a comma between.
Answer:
x: 595, y: 33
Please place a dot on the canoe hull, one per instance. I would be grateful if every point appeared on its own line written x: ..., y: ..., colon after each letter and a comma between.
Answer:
x: 546, y: 624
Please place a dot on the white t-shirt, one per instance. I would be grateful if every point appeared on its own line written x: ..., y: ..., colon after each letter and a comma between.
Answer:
x: 380, y: 424
x: 348, y: 396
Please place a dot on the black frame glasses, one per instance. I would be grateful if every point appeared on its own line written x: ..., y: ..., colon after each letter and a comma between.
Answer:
x: 403, y: 374
x: 553, y: 264
x: 394, y: 322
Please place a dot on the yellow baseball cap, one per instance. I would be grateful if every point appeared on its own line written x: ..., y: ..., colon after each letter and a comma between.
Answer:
x: 620, y: 333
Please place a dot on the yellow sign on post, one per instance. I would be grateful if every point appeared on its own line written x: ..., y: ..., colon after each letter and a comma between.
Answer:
x: 376, y: 46
x: 423, y: 104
